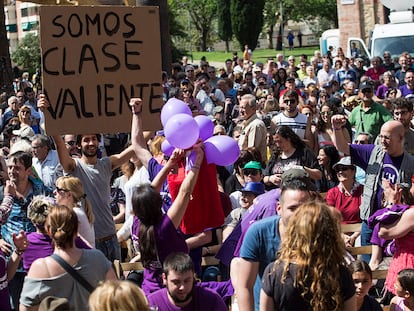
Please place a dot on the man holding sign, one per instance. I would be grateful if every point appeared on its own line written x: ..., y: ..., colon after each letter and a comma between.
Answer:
x: 95, y: 174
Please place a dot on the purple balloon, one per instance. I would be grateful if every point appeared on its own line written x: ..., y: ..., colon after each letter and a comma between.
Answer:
x: 172, y: 107
x: 206, y: 126
x: 166, y: 148
x: 221, y: 150
x: 182, y: 131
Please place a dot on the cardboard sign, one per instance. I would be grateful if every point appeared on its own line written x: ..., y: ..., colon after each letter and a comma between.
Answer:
x: 94, y: 59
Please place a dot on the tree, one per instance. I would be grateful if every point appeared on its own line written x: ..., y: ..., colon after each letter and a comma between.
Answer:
x: 270, y: 15
x: 202, y: 14
x: 225, y: 31
x: 6, y: 78
x: 27, y: 54
x: 247, y: 21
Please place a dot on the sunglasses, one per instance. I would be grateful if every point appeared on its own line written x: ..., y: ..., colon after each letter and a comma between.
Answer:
x: 362, y: 142
x: 328, y: 113
x: 60, y: 189
x: 71, y: 143
x: 290, y: 101
x: 250, y: 171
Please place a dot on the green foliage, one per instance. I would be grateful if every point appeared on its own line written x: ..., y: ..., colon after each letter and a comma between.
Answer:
x: 27, y: 55
x: 247, y: 21
x: 309, y: 9
x: 225, y: 31
x: 202, y: 14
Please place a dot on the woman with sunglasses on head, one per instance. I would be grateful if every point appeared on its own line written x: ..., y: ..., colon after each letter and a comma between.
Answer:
x: 290, y: 152
x: 346, y: 196
x: 69, y: 192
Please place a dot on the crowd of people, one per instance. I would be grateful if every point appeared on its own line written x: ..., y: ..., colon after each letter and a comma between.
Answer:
x: 326, y: 142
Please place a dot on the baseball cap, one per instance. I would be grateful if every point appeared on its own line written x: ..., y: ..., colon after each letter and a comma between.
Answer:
x: 253, y: 164
x: 256, y: 188
x: 300, y: 174
x: 365, y: 86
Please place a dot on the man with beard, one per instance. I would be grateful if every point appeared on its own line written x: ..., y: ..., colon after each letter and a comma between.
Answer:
x: 181, y: 292
x: 95, y: 174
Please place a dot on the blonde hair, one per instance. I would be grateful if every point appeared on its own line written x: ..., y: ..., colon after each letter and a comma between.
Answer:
x: 116, y: 295
x: 38, y: 209
x: 75, y: 187
x: 24, y: 107
x: 314, y: 245
x: 155, y: 145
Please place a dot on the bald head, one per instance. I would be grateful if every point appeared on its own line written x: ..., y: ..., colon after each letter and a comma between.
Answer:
x: 392, y: 138
x: 395, y: 127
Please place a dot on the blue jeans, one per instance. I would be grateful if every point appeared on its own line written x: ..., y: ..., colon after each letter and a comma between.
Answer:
x: 110, y: 248
x: 366, y: 234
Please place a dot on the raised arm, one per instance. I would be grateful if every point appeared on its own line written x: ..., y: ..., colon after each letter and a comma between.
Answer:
x: 65, y: 159
x: 340, y: 141
x: 137, y: 136
x: 179, y: 206
x: 118, y: 159
x: 158, y: 181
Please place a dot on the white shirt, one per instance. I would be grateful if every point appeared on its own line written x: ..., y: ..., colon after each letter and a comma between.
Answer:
x: 50, y: 169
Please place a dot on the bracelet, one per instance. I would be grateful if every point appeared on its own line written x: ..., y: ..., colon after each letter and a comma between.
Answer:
x: 19, y: 252
x: 389, y: 204
x: 337, y: 129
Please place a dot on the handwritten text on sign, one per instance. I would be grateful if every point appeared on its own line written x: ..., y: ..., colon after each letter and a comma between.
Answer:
x: 94, y: 60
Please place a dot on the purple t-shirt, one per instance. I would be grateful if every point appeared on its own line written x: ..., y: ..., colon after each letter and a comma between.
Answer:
x: 40, y: 246
x: 203, y: 299
x: 153, y: 169
x: 264, y: 206
x: 168, y: 240
x: 360, y: 155
x: 4, y: 289
x: 405, y: 91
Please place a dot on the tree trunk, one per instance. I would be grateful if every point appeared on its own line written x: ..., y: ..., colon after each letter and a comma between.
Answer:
x: 165, y: 31
x: 270, y: 37
x: 6, y: 77
x: 227, y: 46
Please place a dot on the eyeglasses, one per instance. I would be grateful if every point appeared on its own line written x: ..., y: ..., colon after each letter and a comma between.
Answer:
x: 25, y: 111
x: 211, y: 72
x: 189, y: 71
x: 400, y: 113
x: 328, y: 113
x: 361, y: 142
x: 70, y: 143
x: 307, y: 114
x: 60, y: 189
x: 290, y: 101
x: 250, y: 171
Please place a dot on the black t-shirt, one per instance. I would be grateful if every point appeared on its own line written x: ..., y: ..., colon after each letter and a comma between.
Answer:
x: 288, y: 298
x: 370, y: 304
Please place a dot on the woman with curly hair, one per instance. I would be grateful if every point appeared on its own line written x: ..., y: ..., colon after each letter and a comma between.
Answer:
x: 309, y: 273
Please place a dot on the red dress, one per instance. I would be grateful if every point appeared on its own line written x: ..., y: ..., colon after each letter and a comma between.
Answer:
x: 403, y: 258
